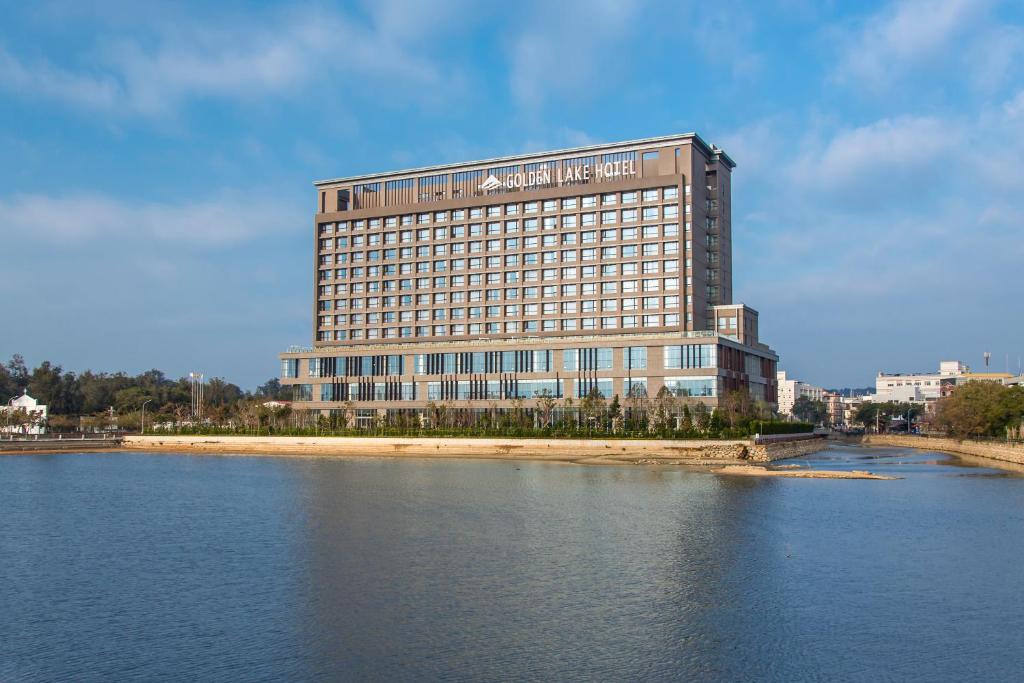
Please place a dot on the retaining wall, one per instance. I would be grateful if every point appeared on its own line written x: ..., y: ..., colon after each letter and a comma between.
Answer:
x: 1006, y: 452
x: 50, y: 445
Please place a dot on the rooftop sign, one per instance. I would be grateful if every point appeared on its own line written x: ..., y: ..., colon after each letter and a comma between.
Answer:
x: 580, y: 174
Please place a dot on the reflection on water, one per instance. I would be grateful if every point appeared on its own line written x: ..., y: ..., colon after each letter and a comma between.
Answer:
x: 142, y: 567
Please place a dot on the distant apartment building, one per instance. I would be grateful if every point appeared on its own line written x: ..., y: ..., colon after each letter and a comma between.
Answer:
x: 603, y: 268
x: 792, y: 389
x: 842, y: 410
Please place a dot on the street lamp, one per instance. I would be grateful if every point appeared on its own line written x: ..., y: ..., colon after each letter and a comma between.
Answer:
x: 143, y: 429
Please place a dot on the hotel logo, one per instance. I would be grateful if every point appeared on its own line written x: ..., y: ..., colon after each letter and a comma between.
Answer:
x: 491, y: 183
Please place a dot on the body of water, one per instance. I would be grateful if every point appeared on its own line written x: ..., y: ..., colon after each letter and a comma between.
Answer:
x: 123, y: 567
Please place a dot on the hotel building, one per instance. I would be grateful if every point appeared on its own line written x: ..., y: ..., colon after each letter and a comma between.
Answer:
x: 606, y: 267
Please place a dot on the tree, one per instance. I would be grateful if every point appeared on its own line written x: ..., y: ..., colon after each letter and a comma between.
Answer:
x: 271, y: 390
x: 737, y: 407
x: 807, y: 410
x: 250, y: 414
x: 9, y: 386
x: 50, y: 386
x: 18, y: 372
x: 664, y: 411
x: 546, y: 404
x: 883, y: 414
x: 981, y: 409
x: 614, y: 414
x: 701, y: 417
x: 636, y: 408
x: 20, y: 420
x: 593, y: 409
x: 686, y: 417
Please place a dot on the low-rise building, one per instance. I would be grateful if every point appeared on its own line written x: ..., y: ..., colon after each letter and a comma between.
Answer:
x: 35, y: 413
x: 924, y: 388
x: 927, y: 388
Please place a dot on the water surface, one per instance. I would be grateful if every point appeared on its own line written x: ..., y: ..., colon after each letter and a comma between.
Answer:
x: 170, y: 567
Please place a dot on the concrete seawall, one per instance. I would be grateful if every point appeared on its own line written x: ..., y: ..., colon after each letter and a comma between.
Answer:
x: 989, y: 450
x: 54, y: 445
x: 697, y: 452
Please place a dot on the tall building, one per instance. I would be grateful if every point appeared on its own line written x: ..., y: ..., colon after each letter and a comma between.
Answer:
x: 606, y: 267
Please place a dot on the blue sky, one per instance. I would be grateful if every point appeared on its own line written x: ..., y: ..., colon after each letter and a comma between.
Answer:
x: 156, y: 160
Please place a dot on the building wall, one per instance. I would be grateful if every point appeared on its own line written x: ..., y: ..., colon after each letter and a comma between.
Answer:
x: 479, y: 374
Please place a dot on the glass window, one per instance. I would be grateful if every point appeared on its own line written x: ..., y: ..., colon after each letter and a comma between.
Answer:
x: 635, y: 357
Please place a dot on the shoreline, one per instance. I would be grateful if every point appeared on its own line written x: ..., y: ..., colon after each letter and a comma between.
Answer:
x: 580, y: 451
x: 724, y: 467
x: 689, y: 453
x: 722, y: 457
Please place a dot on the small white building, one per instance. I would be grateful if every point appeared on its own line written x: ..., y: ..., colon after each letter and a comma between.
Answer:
x: 792, y: 389
x: 36, y: 412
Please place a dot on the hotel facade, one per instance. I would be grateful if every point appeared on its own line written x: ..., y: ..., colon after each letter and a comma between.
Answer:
x: 477, y: 284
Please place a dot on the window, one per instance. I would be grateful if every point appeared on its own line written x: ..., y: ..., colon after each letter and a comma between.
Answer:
x: 691, y: 356
x: 691, y: 386
x: 635, y: 357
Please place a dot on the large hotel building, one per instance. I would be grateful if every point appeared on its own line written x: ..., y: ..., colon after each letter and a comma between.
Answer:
x: 606, y: 267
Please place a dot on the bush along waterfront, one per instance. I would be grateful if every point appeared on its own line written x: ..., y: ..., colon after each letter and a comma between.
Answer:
x: 665, y: 416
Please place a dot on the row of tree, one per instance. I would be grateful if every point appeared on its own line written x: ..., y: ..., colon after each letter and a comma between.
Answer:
x: 665, y: 415
x: 93, y: 401
x: 982, y: 409
x: 92, y: 393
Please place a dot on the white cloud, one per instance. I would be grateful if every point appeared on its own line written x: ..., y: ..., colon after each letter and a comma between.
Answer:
x: 237, y: 59
x: 891, y: 150
x: 225, y: 220
x: 903, y: 36
x: 549, y: 57
x: 80, y: 89
x: 996, y: 57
